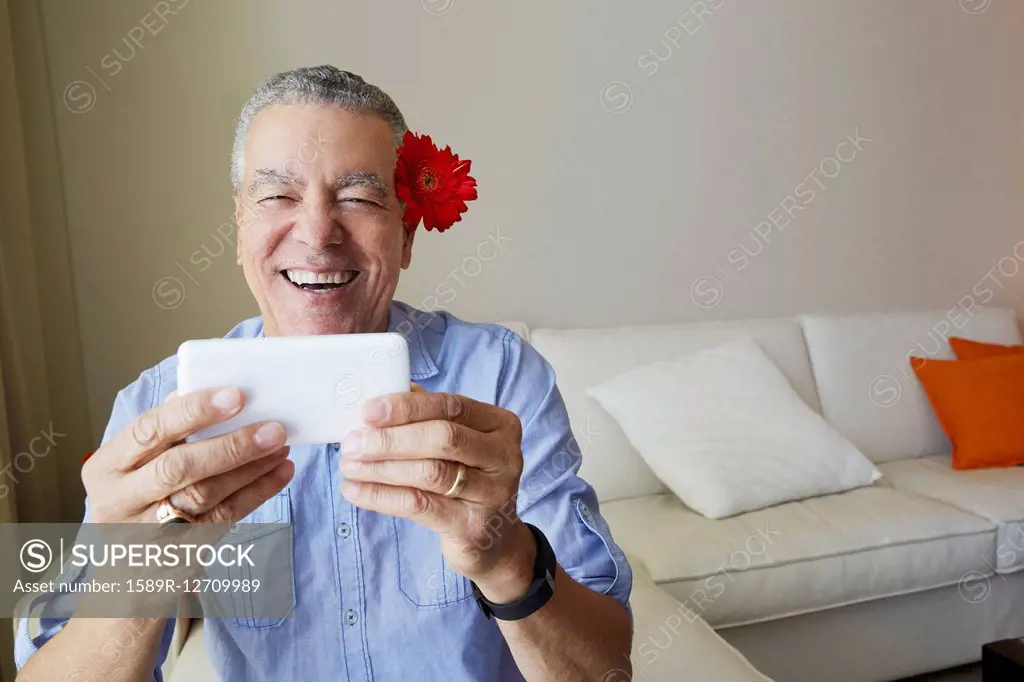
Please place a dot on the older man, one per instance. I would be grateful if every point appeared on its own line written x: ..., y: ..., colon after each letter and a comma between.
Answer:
x: 395, y: 579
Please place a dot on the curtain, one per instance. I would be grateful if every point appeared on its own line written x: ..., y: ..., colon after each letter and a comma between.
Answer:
x: 44, y: 424
x: 8, y: 513
x: 44, y: 388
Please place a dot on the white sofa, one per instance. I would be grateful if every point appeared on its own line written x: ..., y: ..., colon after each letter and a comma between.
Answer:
x: 910, y: 575
x: 907, y: 576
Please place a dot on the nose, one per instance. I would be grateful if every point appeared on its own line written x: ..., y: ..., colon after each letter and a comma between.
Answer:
x: 316, y: 226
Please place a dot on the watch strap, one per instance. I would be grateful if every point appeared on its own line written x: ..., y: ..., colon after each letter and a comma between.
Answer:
x: 541, y: 589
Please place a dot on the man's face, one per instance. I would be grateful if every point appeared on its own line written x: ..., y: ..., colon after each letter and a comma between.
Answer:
x: 320, y: 237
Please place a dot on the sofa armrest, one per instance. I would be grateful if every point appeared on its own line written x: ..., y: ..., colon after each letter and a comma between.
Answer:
x: 183, y: 630
x: 191, y: 662
x: 672, y: 644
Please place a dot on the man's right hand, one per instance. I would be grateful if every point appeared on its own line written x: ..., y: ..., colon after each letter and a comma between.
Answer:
x: 219, y: 480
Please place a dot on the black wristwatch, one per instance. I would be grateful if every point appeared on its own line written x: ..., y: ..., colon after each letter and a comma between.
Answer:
x: 541, y: 589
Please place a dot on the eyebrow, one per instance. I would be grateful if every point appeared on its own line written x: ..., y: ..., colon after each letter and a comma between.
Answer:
x: 270, y: 176
x: 367, y: 180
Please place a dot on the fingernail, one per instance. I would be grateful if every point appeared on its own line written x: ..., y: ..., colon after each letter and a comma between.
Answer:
x: 348, y: 466
x: 269, y: 435
x: 226, y: 399
x: 375, y: 410
x: 353, y: 443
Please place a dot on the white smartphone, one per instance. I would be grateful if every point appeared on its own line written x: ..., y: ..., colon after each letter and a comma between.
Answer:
x: 314, y: 385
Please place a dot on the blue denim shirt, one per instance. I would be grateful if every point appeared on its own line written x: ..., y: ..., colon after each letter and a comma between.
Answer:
x: 374, y: 597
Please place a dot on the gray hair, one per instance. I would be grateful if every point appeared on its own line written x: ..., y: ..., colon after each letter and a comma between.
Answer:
x: 323, y: 85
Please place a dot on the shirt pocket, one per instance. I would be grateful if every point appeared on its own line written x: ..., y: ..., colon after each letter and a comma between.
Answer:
x: 268, y: 531
x: 425, y: 577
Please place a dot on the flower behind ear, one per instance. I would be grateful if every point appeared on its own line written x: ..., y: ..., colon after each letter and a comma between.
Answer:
x: 434, y: 184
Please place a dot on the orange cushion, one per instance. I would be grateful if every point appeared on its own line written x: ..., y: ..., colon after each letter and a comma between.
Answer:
x: 980, y: 405
x: 966, y: 349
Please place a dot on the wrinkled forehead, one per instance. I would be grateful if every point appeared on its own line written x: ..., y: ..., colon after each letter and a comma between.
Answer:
x: 311, y: 141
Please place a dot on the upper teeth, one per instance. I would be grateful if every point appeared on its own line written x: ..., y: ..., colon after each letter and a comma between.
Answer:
x: 305, y: 277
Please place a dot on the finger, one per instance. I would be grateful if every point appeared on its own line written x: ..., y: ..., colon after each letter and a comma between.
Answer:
x: 419, y: 406
x: 204, y: 495
x: 416, y: 388
x: 160, y: 427
x: 429, y: 475
x: 189, y: 463
x: 245, y: 501
x: 425, y: 440
x: 432, y: 511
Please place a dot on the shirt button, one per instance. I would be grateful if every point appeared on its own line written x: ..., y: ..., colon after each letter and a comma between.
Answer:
x: 344, y: 530
x: 351, y: 617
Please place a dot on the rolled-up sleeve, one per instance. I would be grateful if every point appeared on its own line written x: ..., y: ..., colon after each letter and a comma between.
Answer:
x: 35, y: 628
x: 551, y: 494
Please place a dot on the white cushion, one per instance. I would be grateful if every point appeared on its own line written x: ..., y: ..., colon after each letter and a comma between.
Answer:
x: 724, y: 430
x: 586, y: 357
x: 993, y: 494
x: 868, y: 390
x: 865, y: 544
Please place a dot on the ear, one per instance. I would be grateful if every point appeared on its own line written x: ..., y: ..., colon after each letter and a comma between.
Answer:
x: 407, y: 247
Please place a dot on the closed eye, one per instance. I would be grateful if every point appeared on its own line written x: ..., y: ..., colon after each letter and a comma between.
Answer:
x: 357, y: 200
x: 275, y: 197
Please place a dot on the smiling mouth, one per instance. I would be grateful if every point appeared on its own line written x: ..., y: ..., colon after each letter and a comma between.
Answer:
x: 322, y: 282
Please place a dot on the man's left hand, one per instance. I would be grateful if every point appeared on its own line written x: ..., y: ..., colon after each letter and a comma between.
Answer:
x: 409, y: 456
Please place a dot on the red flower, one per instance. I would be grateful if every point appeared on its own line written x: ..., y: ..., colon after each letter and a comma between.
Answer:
x: 433, y: 183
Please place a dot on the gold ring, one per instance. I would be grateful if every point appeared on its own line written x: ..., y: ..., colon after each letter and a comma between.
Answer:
x: 460, y: 482
x: 168, y: 513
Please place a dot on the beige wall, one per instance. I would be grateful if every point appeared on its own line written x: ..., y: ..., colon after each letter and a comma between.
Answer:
x: 624, y: 187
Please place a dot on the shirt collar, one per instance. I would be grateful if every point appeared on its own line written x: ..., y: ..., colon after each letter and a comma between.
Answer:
x: 410, y: 323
